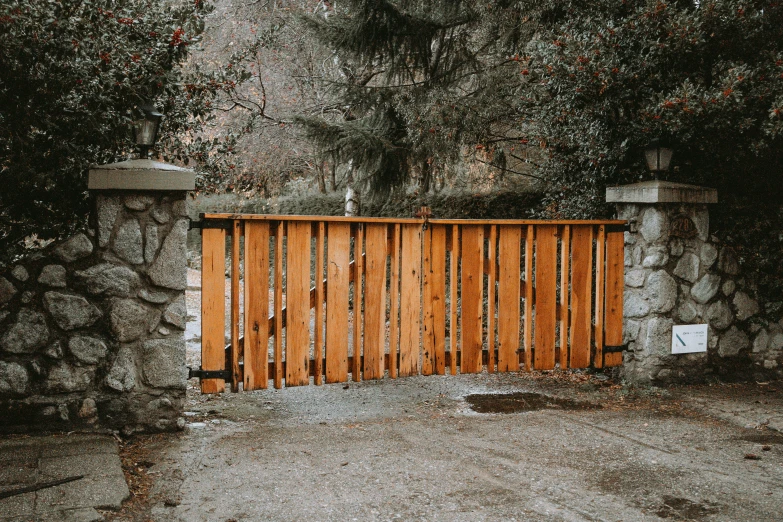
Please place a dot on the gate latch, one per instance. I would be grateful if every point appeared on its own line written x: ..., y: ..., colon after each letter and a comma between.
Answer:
x: 209, y: 374
x: 424, y: 213
x: 615, y: 349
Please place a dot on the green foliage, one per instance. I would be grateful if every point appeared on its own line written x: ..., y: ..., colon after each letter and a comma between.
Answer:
x: 422, y: 79
x: 615, y: 75
x: 72, y: 73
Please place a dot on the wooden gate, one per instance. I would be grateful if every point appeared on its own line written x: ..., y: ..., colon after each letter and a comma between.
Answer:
x: 333, y: 297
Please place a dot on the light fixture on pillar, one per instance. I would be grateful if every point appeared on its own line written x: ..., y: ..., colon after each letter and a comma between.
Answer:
x: 147, y: 129
x: 658, y: 157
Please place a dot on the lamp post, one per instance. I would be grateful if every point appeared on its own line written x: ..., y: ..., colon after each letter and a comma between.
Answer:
x: 658, y: 157
x: 147, y: 129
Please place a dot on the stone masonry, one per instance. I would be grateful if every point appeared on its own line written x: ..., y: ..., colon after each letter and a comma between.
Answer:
x: 672, y: 280
x: 92, y: 328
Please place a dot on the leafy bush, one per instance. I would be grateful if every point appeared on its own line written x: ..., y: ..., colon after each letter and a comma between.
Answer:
x: 72, y: 73
x: 612, y: 76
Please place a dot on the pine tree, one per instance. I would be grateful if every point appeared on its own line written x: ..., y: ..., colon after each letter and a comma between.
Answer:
x: 421, y: 80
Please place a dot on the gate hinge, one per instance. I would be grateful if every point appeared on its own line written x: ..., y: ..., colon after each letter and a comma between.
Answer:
x: 225, y: 224
x: 615, y: 349
x: 619, y: 228
x: 209, y: 374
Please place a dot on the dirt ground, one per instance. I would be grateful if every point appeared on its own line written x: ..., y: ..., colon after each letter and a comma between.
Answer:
x: 416, y: 449
x: 565, y: 446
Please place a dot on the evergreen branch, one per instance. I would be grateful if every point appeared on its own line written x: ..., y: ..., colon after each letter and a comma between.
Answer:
x: 505, y: 169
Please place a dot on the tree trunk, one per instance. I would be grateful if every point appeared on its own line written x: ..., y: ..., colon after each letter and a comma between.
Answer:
x: 426, y: 177
x: 321, y: 175
x: 334, y: 173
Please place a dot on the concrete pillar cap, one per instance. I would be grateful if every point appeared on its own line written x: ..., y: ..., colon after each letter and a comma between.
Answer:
x: 140, y: 174
x: 658, y: 191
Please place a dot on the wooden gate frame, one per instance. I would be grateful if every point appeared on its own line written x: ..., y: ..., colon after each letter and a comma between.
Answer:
x: 569, y: 330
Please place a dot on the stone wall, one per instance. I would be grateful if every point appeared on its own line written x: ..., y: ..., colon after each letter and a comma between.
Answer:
x: 92, y: 328
x: 670, y: 280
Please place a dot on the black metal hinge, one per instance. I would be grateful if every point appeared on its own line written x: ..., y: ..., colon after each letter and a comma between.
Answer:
x: 209, y: 374
x: 618, y: 228
x: 615, y: 349
x: 225, y: 224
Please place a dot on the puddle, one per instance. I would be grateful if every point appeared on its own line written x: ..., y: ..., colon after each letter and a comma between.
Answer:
x: 685, y: 509
x: 522, y: 401
x: 763, y: 437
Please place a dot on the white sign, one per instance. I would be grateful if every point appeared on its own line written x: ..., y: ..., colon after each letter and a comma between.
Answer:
x: 689, y: 338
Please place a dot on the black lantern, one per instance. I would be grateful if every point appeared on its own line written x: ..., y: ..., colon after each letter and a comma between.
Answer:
x: 147, y: 129
x: 658, y: 157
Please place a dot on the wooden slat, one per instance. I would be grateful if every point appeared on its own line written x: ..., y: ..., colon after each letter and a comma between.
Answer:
x: 375, y: 301
x: 454, y: 279
x: 613, y: 320
x: 546, y: 297
x: 508, y: 298
x: 256, y: 339
x: 422, y: 324
x: 394, y: 301
x: 236, y: 378
x: 427, y: 333
x: 410, y: 300
x: 529, y: 238
x: 581, y: 295
x: 337, y: 293
x: 358, y: 271
x: 438, y: 296
x: 318, y: 348
x: 565, y: 292
x: 278, y: 303
x: 297, y: 346
x: 472, y: 297
x: 213, y: 306
x: 600, y: 249
x: 491, y: 286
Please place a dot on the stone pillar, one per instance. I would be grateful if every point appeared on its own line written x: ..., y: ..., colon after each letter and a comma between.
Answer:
x: 142, y: 224
x: 672, y: 276
x: 92, y: 328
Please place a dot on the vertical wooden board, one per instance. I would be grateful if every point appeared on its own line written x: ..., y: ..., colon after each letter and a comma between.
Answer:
x: 297, y: 349
x: 213, y: 306
x: 546, y: 297
x: 410, y: 300
x: 438, y: 295
x: 428, y: 337
x: 318, y: 352
x: 278, y: 303
x: 529, y: 238
x: 394, y: 301
x: 236, y: 232
x: 472, y: 297
x: 565, y: 292
x: 375, y: 301
x: 508, y: 298
x: 581, y: 294
x: 256, y: 315
x: 358, y: 323
x: 491, y: 294
x: 454, y: 279
x: 337, y: 293
x: 600, y: 251
x: 613, y: 319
